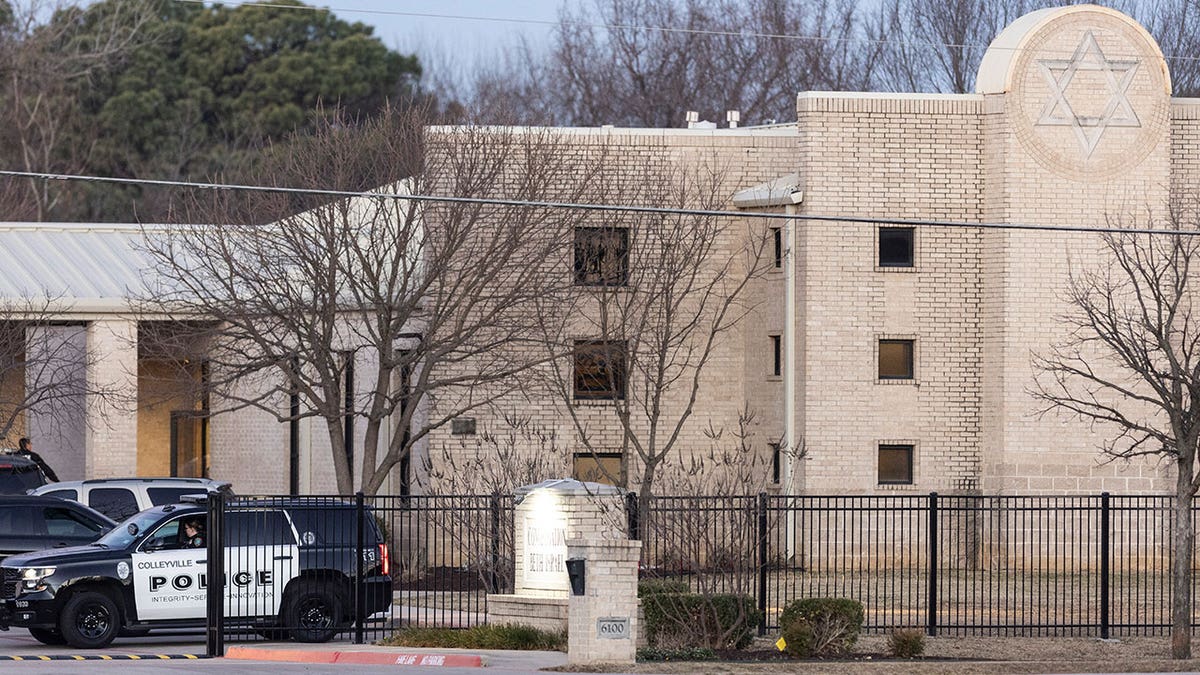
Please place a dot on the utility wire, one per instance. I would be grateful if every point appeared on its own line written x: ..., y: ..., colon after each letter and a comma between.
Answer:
x: 660, y: 29
x: 609, y: 208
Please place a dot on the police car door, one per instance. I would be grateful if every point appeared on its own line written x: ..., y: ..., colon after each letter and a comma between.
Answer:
x: 261, y: 557
x: 168, y: 578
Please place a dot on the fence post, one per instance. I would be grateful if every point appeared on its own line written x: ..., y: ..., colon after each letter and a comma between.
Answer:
x: 215, y: 569
x: 931, y: 611
x: 360, y: 600
x: 494, y: 552
x: 633, y: 517
x: 762, y: 562
x: 1104, y: 571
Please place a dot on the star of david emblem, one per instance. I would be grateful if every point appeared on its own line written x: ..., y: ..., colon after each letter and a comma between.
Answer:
x: 1118, y: 75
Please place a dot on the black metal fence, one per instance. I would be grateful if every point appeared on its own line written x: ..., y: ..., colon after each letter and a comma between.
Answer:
x: 318, y: 568
x: 999, y: 565
x: 359, y: 567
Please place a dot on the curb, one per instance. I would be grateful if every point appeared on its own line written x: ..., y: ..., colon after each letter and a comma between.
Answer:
x: 370, y: 658
x: 101, y: 657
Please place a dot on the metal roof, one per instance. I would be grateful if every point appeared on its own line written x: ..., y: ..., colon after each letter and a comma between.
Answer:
x: 87, y: 266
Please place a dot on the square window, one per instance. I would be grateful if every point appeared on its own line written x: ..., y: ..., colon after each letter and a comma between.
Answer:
x: 600, y: 369
x: 599, y: 467
x: 895, y: 464
x: 601, y: 256
x: 777, y: 358
x: 895, y: 247
x: 777, y: 238
x: 895, y: 359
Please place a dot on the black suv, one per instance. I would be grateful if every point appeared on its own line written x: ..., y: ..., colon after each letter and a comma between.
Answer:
x: 18, y: 474
x: 290, y: 568
x: 33, y: 523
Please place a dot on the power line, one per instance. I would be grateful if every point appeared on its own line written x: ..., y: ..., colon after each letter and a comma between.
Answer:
x: 660, y: 29
x: 609, y: 208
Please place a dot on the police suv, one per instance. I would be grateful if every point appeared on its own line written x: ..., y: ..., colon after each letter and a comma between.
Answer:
x: 290, y: 567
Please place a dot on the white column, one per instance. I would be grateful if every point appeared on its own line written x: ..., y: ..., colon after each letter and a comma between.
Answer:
x: 111, y: 446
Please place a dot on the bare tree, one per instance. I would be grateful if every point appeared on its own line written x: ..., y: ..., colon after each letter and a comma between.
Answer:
x: 516, y: 451
x: 425, y: 300
x: 646, y: 63
x: 1173, y: 23
x: 1131, y: 363
x: 655, y: 296
x: 936, y: 45
x: 50, y: 54
x: 43, y: 372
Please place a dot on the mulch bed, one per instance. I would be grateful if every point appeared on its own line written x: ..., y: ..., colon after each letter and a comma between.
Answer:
x: 454, y: 579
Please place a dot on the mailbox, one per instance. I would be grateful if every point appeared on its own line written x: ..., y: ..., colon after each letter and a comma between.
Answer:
x: 575, y: 573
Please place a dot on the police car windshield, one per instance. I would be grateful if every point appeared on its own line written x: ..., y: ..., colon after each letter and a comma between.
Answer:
x: 130, y: 529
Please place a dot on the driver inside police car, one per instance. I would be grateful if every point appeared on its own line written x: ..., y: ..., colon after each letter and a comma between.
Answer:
x: 193, y: 529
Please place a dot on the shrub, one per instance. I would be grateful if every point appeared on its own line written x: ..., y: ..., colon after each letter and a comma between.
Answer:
x: 479, y: 637
x: 657, y: 586
x: 682, y: 620
x: 906, y: 643
x: 821, y: 626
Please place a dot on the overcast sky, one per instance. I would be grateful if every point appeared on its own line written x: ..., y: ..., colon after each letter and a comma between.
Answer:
x: 467, y: 39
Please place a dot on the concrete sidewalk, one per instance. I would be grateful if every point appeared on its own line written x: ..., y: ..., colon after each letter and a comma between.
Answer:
x: 346, y: 653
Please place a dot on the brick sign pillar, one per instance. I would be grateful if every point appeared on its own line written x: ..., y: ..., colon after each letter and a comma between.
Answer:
x: 603, y: 621
x: 547, y: 516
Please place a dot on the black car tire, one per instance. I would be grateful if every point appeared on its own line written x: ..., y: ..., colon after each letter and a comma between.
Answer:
x: 90, y: 620
x: 314, y: 611
x: 273, y: 633
x: 48, y: 636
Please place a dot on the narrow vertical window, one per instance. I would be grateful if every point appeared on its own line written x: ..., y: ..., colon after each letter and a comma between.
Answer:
x: 404, y: 390
x: 777, y: 239
x: 348, y: 407
x: 294, y: 428
x: 776, y: 463
x: 776, y: 355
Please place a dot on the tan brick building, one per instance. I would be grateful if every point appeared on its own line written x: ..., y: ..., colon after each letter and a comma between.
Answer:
x: 910, y: 345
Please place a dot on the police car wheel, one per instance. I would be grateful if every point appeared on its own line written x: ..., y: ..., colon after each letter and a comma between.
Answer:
x: 90, y: 620
x: 315, y: 611
x: 274, y: 634
x: 48, y: 636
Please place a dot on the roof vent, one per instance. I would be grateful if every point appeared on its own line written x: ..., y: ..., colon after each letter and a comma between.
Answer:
x: 733, y: 117
x: 694, y: 121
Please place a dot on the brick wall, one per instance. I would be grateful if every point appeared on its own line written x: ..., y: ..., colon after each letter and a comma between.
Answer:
x: 891, y: 157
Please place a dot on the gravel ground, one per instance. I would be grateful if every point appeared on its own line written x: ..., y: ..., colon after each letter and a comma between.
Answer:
x: 966, y: 655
